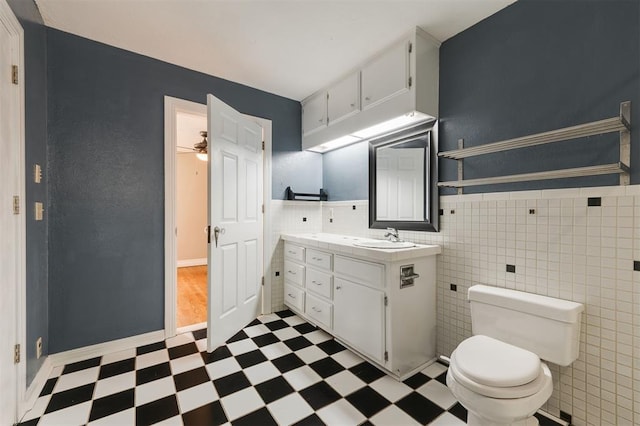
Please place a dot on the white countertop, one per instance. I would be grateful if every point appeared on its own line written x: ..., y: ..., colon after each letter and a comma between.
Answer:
x: 344, y: 244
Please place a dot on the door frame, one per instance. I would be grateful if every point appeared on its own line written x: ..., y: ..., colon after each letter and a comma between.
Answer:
x: 8, y: 18
x: 171, y: 107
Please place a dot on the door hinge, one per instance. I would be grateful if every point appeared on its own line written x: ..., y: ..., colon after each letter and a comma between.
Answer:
x: 14, y: 74
x: 410, y: 47
x: 262, y: 281
x: 263, y: 208
x: 16, y: 354
x: 386, y: 356
x: 16, y: 204
x: 386, y: 301
x: 410, y: 81
x: 208, y: 234
x: 263, y: 145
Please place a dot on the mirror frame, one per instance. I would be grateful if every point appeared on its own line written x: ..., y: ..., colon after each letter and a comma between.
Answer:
x: 430, y: 224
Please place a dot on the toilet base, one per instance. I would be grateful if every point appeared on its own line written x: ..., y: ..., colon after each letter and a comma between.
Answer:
x: 474, y: 420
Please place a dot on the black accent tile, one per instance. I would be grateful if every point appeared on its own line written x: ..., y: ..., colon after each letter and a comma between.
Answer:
x: 636, y: 265
x: 265, y: 339
x: 67, y: 398
x: 199, y: 334
x: 565, y: 416
x: 297, y: 343
x: 366, y: 372
x: 546, y: 421
x: 331, y: 347
x: 274, y: 389
x: 452, y: 212
x: 276, y: 325
x: 157, y: 411
x: 183, y: 350
x: 417, y: 380
x: 453, y: 287
x: 442, y: 378
x: 440, y: 212
x: 304, y: 219
x: 287, y: 362
x: 353, y: 207
x: 277, y: 273
x: 254, y: 322
x: 511, y: 268
x: 326, y: 367
x: 594, y: 201
x: 232, y: 383
x: 210, y: 414
x: 419, y: 407
x: 305, y: 328
x: 459, y: 411
x: 319, y: 395
x: 285, y: 314
x: 532, y: 211
x: 152, y: 373
x: 312, y: 420
x: 32, y: 422
x: 190, y: 378
x: 103, y: 407
x: 81, y: 365
x: 260, y: 417
x: 248, y: 359
x: 368, y: 401
x: 115, y: 368
x: 141, y: 350
x: 240, y: 335
x: 48, y: 387
x: 218, y: 354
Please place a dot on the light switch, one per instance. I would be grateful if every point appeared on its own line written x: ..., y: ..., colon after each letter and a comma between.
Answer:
x: 39, y: 210
x: 37, y: 173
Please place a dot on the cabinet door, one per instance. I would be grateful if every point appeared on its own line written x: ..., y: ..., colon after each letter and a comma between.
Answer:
x: 314, y: 113
x: 386, y: 76
x: 344, y: 99
x: 358, y: 317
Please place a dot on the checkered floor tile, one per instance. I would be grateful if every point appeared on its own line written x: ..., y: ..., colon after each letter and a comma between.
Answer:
x: 279, y: 370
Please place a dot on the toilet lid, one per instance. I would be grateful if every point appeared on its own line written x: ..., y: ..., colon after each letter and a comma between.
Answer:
x: 490, y: 362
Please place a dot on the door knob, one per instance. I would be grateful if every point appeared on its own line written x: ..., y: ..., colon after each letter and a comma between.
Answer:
x: 217, y: 231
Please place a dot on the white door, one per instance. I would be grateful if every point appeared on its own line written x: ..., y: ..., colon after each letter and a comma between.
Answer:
x: 10, y: 223
x: 235, y: 216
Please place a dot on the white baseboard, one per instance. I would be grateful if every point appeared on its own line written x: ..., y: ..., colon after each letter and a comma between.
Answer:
x: 191, y: 262
x: 34, y: 389
x: 88, y: 352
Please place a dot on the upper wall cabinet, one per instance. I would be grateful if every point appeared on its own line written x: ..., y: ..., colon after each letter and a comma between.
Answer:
x: 398, y: 86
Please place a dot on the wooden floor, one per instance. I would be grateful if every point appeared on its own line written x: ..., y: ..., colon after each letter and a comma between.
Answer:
x: 192, y: 295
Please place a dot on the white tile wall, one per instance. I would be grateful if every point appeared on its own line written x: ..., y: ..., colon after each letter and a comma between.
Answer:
x: 560, y: 246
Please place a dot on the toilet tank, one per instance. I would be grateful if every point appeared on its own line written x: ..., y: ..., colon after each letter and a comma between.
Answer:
x: 544, y: 325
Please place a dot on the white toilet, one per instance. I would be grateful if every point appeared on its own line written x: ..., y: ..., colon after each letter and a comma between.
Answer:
x: 497, y: 374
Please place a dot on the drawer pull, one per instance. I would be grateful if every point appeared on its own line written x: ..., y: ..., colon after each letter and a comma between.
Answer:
x: 338, y: 287
x: 291, y: 272
x: 316, y: 283
x: 316, y: 309
x: 291, y: 295
x: 292, y: 252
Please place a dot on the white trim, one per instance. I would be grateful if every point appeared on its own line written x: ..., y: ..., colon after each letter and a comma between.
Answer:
x: 100, y: 349
x: 34, y: 389
x: 191, y: 262
x: 171, y: 107
x: 191, y: 327
x: 266, y: 219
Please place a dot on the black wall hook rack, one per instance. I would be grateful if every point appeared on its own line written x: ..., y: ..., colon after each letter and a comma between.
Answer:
x: 322, y: 196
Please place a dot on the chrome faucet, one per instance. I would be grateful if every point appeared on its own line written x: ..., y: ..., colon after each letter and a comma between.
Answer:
x: 393, y: 235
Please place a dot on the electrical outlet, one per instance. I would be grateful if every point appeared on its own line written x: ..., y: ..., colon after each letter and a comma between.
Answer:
x: 37, y: 173
x: 39, y: 347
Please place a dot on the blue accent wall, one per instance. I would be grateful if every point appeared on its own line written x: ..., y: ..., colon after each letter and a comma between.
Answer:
x: 35, y: 152
x: 345, y: 172
x: 540, y: 65
x: 106, y: 145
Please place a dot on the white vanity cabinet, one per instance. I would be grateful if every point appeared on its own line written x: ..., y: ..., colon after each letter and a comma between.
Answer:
x: 343, y: 99
x: 357, y: 295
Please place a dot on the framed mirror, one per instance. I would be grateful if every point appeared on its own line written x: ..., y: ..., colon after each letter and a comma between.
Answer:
x: 403, y: 176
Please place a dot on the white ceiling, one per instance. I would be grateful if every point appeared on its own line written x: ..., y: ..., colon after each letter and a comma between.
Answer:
x: 188, y: 128
x: 288, y: 47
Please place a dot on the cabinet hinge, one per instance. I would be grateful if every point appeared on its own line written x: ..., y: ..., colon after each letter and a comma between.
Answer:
x: 410, y: 81
x: 263, y: 145
x: 410, y: 47
x: 14, y: 74
x: 16, y: 204
x: 16, y: 354
x: 262, y: 281
x: 263, y: 208
x: 386, y: 356
x: 386, y: 301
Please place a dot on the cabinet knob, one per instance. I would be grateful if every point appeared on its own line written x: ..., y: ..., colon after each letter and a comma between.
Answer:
x: 353, y: 105
x: 367, y: 98
x: 338, y: 287
x: 291, y: 295
x: 291, y: 272
x: 321, y: 120
x: 316, y: 282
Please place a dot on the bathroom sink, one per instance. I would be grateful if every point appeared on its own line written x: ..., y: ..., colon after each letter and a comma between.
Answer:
x: 384, y: 244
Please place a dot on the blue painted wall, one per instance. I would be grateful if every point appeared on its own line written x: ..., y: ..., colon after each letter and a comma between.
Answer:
x: 540, y: 65
x: 535, y: 66
x: 345, y: 172
x: 106, y: 139
x: 35, y: 152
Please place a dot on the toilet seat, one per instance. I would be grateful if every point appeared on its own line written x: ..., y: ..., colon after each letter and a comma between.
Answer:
x: 496, y: 369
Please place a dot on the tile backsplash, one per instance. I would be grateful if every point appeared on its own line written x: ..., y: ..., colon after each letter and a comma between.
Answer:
x: 576, y: 244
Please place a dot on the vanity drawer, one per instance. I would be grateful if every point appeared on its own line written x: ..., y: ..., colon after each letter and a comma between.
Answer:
x: 319, y: 259
x: 367, y: 273
x: 294, y: 272
x: 318, y: 282
x: 294, y: 297
x: 293, y: 251
x: 319, y: 310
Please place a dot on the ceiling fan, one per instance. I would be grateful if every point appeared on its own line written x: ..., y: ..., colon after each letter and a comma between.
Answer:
x: 200, y: 148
